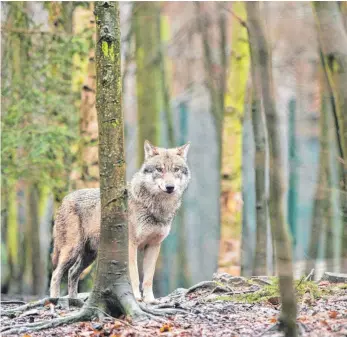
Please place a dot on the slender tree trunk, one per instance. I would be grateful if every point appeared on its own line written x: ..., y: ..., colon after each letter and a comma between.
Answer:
x: 322, y: 198
x: 38, y: 275
x: 12, y: 239
x: 333, y: 43
x: 163, y: 79
x: 234, y: 103
x: 278, y: 223
x: 215, y: 86
x: 112, y: 291
x: 88, y: 123
x: 259, y: 131
x: 146, y: 30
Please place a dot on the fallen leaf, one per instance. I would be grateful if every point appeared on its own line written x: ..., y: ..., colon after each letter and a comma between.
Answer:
x: 273, y: 320
x: 332, y: 314
x: 323, y: 283
x: 117, y: 324
x: 302, y: 318
x: 165, y: 328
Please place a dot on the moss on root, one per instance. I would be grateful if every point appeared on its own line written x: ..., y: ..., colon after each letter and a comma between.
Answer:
x: 272, y: 290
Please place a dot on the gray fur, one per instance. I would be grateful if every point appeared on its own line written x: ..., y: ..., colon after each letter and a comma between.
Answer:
x: 151, y: 210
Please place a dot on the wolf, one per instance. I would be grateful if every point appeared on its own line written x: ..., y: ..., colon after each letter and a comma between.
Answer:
x: 154, y: 195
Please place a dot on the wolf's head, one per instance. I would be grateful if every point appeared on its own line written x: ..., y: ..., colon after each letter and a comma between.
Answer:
x: 165, y: 171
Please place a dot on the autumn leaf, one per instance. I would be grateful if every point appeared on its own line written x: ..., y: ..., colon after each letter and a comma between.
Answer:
x: 273, y: 320
x: 323, y: 283
x: 117, y: 324
x: 332, y: 314
x: 165, y: 328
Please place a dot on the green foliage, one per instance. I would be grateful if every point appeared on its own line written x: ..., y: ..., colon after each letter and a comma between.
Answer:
x: 40, y: 110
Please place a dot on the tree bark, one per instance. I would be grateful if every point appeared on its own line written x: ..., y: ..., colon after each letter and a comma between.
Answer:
x: 277, y: 202
x: 112, y: 291
x: 333, y: 44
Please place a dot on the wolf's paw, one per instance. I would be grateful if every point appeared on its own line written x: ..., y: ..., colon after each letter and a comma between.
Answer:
x: 150, y: 300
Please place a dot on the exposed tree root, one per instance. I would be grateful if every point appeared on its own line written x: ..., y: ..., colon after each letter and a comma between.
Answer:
x: 203, y: 284
x: 279, y: 326
x: 83, y: 315
x: 209, y: 284
x: 162, y: 311
x: 48, y: 300
x: 12, y: 302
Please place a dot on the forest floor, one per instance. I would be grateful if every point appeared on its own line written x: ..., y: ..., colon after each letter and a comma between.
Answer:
x: 225, y: 306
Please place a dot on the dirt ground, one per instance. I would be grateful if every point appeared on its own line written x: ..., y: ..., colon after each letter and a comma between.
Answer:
x: 225, y: 306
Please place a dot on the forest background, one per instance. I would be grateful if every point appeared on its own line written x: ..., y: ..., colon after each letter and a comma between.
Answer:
x: 186, y: 77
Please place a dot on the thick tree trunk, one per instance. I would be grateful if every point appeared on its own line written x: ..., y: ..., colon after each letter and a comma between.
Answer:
x: 333, y: 43
x: 147, y: 75
x: 112, y: 291
x: 277, y: 202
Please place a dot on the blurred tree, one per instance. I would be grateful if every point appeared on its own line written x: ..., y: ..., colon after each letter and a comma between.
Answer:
x: 293, y: 170
x: 322, y: 196
x: 86, y: 170
x: 333, y: 43
x: 216, y: 81
x: 38, y: 125
x: 234, y: 101
x: 16, y: 62
x: 261, y: 56
x: 145, y: 16
x: 215, y: 68
x: 259, y: 131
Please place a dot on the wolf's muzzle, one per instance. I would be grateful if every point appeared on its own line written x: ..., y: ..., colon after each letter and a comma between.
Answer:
x: 170, y: 188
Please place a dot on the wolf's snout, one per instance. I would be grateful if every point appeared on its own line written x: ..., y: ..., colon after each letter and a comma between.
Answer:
x: 169, y: 188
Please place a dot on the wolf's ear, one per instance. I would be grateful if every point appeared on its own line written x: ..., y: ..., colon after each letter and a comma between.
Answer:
x: 183, y: 150
x: 150, y: 150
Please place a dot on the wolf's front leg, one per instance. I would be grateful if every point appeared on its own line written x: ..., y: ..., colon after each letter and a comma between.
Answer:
x: 149, y: 260
x: 133, y: 270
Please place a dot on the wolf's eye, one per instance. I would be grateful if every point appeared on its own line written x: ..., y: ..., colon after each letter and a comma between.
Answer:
x: 159, y: 169
x: 176, y: 169
x: 148, y: 169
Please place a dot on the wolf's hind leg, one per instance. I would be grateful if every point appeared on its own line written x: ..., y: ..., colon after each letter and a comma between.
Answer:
x: 64, y: 262
x: 133, y: 270
x: 83, y: 261
x: 149, y: 260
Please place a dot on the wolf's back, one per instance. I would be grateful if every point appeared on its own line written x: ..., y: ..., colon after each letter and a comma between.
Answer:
x: 77, y: 213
